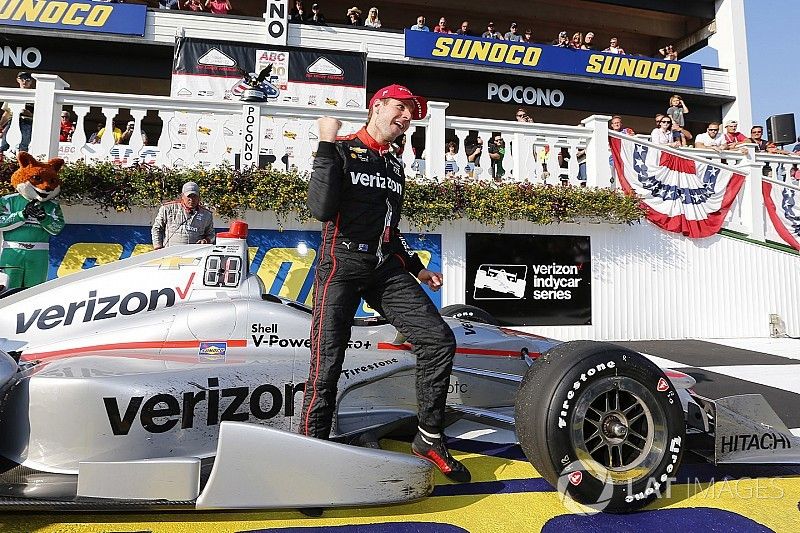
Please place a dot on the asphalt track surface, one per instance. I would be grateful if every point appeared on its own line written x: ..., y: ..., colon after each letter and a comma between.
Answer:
x: 507, y: 494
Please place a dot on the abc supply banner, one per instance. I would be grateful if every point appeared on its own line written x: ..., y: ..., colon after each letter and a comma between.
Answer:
x: 210, y: 70
x: 545, y: 58
x: 284, y: 260
x: 530, y: 280
x: 74, y: 15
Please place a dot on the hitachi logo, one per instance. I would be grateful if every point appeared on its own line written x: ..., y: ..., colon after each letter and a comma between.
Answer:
x: 378, y: 182
x: 94, y: 308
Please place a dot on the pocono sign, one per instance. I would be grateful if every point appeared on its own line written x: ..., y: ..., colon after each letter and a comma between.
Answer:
x: 679, y: 194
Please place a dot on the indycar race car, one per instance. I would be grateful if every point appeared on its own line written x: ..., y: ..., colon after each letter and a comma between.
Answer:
x: 174, y: 379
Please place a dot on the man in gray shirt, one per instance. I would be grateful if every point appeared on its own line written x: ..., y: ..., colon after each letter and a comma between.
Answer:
x: 183, y: 221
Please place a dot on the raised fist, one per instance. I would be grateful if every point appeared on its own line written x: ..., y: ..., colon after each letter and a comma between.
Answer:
x: 328, y: 128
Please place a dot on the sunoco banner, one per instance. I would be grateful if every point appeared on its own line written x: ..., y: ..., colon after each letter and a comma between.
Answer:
x: 284, y: 260
x: 75, y: 15
x: 530, y: 280
x: 212, y: 70
x: 544, y: 58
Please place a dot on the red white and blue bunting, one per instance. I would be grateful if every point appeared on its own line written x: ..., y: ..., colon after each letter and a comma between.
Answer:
x: 679, y: 194
x: 783, y: 211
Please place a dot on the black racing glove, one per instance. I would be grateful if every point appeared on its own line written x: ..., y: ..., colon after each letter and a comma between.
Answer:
x: 34, y: 209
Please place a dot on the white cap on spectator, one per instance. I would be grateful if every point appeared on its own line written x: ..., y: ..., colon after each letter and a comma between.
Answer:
x: 190, y: 187
x: 732, y: 121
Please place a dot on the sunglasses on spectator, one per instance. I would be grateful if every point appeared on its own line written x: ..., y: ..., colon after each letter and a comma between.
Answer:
x: 666, y: 122
x: 713, y: 129
x: 522, y: 115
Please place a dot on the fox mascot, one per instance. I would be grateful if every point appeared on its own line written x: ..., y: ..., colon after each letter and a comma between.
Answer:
x: 28, y: 218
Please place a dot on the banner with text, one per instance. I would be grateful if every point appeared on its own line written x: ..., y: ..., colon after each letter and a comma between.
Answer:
x: 545, y: 58
x: 284, y: 260
x: 530, y: 280
x: 324, y: 79
x: 75, y: 15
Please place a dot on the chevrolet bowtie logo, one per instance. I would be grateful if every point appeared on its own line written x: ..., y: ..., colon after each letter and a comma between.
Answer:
x: 173, y: 263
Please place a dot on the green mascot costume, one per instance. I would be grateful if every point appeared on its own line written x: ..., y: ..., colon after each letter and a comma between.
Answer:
x: 28, y: 219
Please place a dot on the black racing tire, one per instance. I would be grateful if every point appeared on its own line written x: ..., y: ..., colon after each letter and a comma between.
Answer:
x: 602, y: 424
x: 469, y: 313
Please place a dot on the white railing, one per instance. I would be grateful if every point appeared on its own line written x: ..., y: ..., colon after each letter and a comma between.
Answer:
x: 208, y: 134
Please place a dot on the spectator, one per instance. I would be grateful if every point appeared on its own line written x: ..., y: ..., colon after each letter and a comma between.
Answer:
x: 373, y: 21
x: 218, y: 7
x: 298, y: 13
x: 420, y: 25
x: 616, y: 125
x: 577, y: 41
x: 183, y: 221
x: 353, y: 16
x: 464, y: 29
x: 528, y: 36
x: 490, y: 33
x: 562, y: 41
x: 450, y: 166
x: 676, y: 110
x: 125, y: 138
x: 796, y: 146
x: 194, y: 5
x: 668, y: 52
x: 442, y: 26
x: 712, y: 139
x: 316, y: 17
x: 733, y: 137
x: 757, y: 138
x: 473, y: 147
x: 614, y: 47
x: 497, y: 151
x: 93, y: 137
x: 523, y: 116
x: 588, y: 41
x: 169, y: 4
x: 512, y: 35
x: 66, y: 128
x: 25, y: 81
x: 115, y: 131
x: 663, y: 133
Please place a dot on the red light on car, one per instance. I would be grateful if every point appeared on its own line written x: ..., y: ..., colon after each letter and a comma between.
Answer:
x: 238, y: 230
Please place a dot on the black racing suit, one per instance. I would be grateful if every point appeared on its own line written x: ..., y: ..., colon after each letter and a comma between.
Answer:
x: 356, y: 189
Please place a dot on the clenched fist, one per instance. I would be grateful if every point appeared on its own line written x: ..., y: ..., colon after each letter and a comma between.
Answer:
x: 328, y: 128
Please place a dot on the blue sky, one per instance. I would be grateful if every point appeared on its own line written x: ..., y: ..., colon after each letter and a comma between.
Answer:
x: 772, y: 47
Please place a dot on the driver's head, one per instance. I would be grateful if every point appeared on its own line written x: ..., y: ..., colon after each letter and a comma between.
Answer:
x: 391, y: 110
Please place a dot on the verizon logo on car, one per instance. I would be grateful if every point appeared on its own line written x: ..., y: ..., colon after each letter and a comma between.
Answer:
x: 102, y: 308
x: 379, y: 182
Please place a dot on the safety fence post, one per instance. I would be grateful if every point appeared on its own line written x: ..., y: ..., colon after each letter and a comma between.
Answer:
x: 598, y: 170
x: 47, y: 115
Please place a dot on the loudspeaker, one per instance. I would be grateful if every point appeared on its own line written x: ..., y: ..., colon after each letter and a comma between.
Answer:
x: 780, y: 129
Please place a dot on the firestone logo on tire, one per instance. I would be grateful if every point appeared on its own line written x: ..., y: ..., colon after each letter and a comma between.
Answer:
x: 584, y: 377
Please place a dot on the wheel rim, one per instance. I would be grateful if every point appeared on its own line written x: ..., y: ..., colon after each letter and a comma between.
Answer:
x: 619, y: 430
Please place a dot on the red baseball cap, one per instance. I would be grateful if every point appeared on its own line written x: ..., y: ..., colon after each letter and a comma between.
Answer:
x: 398, y: 92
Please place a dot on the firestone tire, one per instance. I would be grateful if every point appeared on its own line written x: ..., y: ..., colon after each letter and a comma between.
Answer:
x: 470, y: 313
x: 602, y: 424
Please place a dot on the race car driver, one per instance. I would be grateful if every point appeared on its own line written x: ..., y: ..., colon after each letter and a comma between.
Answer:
x: 356, y: 190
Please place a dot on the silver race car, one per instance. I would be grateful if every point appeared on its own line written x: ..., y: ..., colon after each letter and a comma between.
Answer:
x: 173, y: 379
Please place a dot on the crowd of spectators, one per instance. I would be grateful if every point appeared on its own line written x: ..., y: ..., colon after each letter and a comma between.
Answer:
x: 355, y: 16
